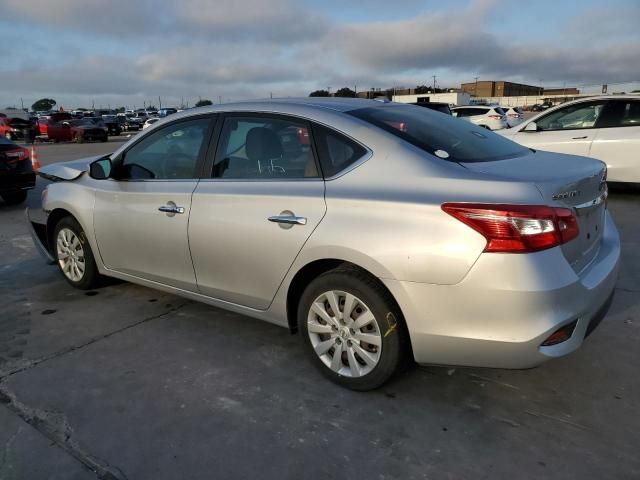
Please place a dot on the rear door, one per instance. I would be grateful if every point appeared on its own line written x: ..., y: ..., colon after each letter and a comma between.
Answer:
x: 569, y: 129
x: 617, y: 141
x: 249, y: 220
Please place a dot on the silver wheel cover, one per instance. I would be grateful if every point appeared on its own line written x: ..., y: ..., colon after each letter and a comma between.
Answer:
x: 344, y: 333
x: 70, y: 255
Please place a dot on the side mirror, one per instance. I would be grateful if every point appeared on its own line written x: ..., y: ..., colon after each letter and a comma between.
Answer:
x: 100, y: 169
x: 531, y: 127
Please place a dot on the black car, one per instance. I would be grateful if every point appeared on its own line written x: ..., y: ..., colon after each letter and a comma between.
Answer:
x: 438, y: 106
x: 111, y: 122
x: 16, y: 172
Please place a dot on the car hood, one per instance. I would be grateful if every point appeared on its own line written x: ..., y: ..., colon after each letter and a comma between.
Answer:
x: 67, y: 170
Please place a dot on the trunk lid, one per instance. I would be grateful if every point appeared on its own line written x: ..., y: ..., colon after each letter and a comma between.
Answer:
x: 566, y: 181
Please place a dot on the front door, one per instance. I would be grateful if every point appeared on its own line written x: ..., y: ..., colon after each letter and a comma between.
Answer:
x: 141, y: 216
x: 569, y: 129
x: 250, y: 220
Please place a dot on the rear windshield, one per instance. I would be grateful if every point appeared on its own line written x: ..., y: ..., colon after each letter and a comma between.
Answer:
x: 461, y: 140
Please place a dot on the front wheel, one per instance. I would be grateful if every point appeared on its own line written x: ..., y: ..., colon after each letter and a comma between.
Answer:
x: 352, y: 329
x: 73, y: 254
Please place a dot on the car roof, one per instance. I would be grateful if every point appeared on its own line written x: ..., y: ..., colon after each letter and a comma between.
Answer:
x: 285, y: 105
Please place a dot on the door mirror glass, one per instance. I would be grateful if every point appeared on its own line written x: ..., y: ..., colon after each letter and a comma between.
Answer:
x: 531, y: 127
x: 100, y: 169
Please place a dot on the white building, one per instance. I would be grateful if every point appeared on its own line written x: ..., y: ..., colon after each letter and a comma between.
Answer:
x: 452, y: 98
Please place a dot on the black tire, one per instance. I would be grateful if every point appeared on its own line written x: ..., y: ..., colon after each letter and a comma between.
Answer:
x: 91, y: 277
x: 14, y: 198
x: 395, y: 347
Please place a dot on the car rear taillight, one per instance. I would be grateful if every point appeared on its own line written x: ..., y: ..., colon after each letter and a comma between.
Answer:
x: 16, y: 155
x: 517, y: 228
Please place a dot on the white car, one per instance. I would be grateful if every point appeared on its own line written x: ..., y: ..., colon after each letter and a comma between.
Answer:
x: 604, y: 127
x: 489, y: 117
x: 150, y: 122
x: 514, y: 115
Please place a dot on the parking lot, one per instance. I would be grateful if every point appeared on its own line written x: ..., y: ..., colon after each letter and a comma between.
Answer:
x: 128, y: 382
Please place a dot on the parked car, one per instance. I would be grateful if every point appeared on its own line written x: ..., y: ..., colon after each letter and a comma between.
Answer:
x: 489, y: 117
x: 605, y: 127
x: 437, y: 106
x: 16, y: 172
x: 514, y: 115
x: 78, y: 130
x: 112, y: 124
x: 166, y: 111
x: 441, y: 240
x: 54, y: 118
x: 149, y: 122
x: 129, y: 122
x: 541, y: 107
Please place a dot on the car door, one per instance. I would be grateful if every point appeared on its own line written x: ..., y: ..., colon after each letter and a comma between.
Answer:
x: 569, y: 129
x: 250, y: 220
x: 617, y: 141
x: 141, y: 215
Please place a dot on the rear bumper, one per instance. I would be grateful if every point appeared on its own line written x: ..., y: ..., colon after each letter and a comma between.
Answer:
x: 15, y: 182
x: 38, y: 230
x: 507, y: 306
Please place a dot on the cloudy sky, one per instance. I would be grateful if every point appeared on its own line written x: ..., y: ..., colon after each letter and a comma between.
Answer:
x: 124, y: 52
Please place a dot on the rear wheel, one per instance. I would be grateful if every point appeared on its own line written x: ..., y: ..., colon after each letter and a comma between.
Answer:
x: 14, y: 198
x: 73, y: 254
x: 352, y: 329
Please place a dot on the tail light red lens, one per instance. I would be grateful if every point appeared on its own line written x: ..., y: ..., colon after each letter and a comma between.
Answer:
x: 517, y: 228
x: 16, y: 155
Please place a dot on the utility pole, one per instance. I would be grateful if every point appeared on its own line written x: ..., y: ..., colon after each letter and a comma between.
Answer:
x: 220, y: 99
x: 475, y: 90
x: 159, y: 103
x: 21, y: 103
x: 329, y: 90
x: 434, y: 84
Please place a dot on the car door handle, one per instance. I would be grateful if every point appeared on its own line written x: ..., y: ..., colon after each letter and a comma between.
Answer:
x: 288, y: 219
x: 171, y: 209
x: 579, y: 138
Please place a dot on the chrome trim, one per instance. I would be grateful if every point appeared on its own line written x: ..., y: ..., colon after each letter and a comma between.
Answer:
x: 171, y: 209
x: 288, y: 219
x: 593, y: 203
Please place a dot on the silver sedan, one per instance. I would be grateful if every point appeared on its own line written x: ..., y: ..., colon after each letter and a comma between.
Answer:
x: 380, y: 232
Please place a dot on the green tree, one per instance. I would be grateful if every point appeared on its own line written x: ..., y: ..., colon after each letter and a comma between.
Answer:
x: 345, y: 92
x: 43, y: 104
x: 120, y: 110
x: 203, y: 102
x: 319, y: 93
x: 420, y: 89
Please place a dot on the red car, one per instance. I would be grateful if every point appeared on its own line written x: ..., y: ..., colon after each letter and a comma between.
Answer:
x: 46, y: 120
x: 79, y: 130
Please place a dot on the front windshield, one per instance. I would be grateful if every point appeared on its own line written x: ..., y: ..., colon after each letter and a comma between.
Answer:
x: 453, y: 139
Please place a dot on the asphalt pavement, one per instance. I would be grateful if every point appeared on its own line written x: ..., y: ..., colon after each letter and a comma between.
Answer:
x: 125, y: 382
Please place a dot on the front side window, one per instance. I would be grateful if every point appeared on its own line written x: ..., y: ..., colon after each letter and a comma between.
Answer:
x: 461, y: 141
x: 572, y: 117
x: 169, y: 153
x: 264, y: 148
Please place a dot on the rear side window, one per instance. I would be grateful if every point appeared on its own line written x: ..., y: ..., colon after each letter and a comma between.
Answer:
x: 620, y: 113
x: 336, y: 152
x: 462, y: 141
